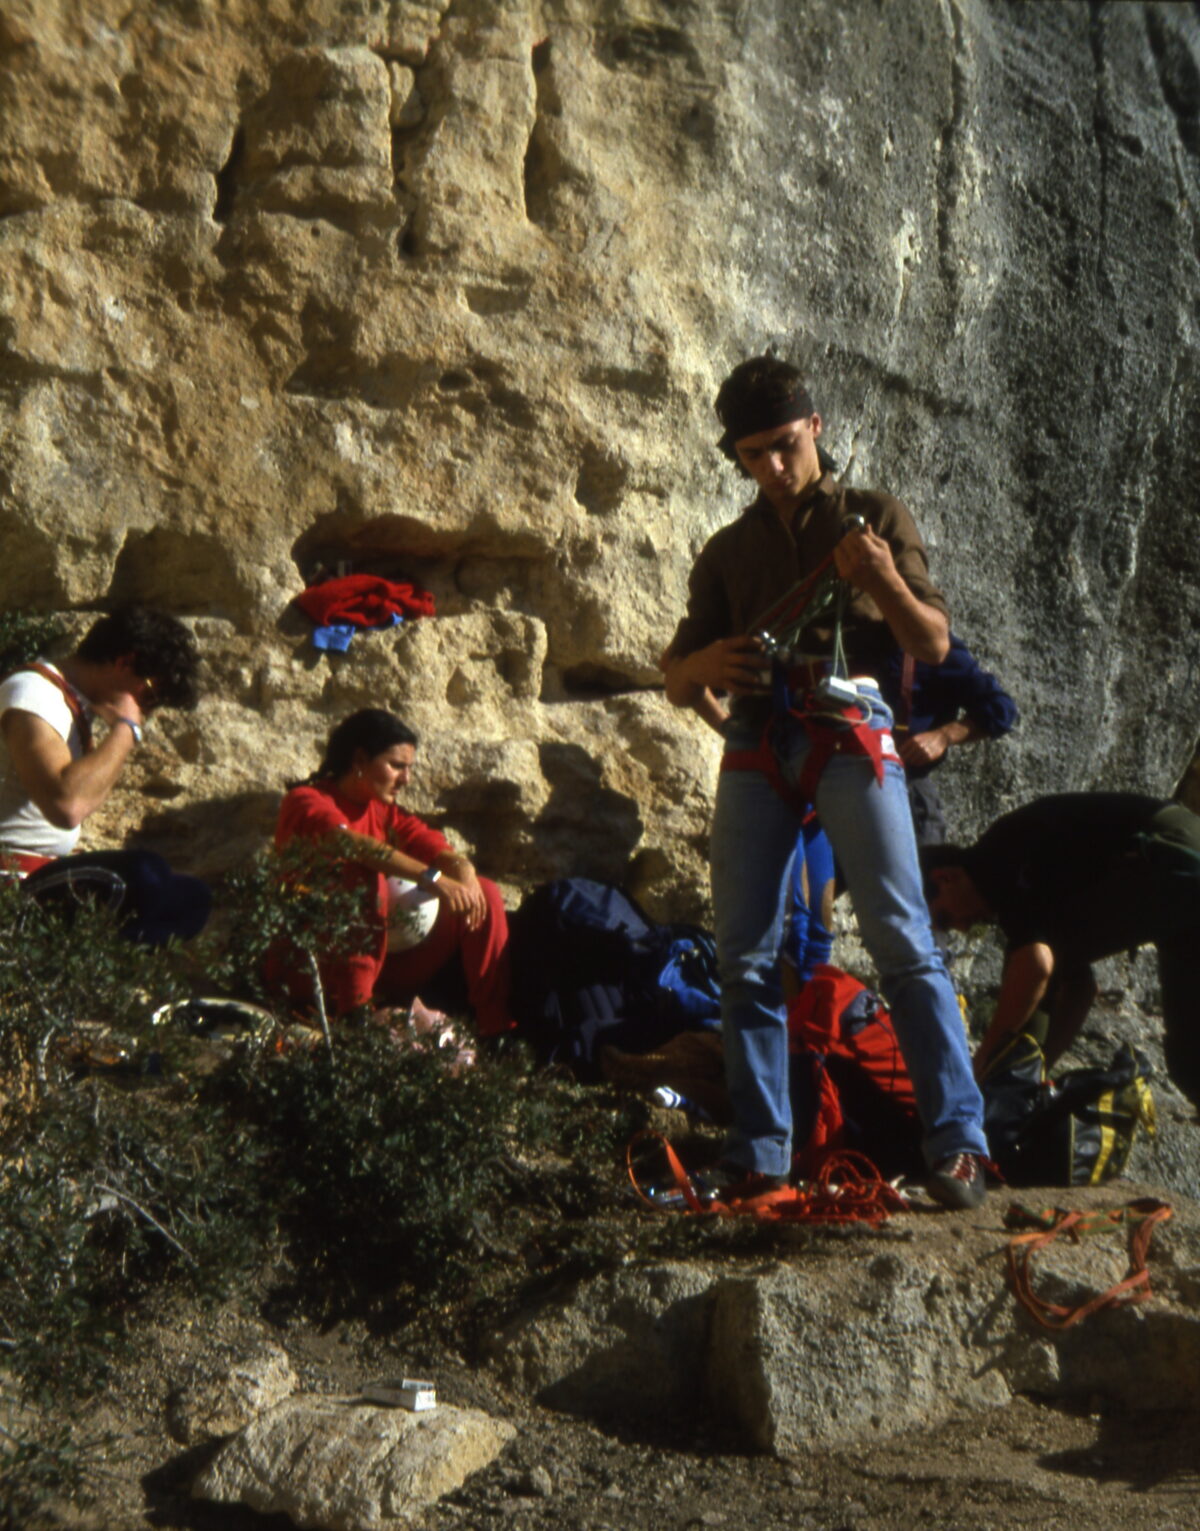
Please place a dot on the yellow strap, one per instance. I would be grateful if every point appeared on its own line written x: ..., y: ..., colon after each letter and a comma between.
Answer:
x: 1108, y: 1137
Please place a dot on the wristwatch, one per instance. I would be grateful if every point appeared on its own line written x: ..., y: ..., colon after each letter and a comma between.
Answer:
x: 135, y: 727
x: 430, y: 877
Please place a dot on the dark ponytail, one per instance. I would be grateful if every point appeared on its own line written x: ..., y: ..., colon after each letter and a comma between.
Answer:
x: 372, y: 730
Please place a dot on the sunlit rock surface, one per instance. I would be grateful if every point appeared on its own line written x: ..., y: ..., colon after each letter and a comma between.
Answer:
x: 443, y: 292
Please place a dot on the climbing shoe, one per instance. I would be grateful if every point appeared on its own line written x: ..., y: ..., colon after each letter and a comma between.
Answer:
x: 959, y: 1182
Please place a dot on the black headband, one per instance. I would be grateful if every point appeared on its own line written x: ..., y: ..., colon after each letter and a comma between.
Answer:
x: 748, y: 417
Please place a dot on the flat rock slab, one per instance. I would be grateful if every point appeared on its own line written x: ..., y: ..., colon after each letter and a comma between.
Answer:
x: 850, y: 1336
x: 334, y: 1464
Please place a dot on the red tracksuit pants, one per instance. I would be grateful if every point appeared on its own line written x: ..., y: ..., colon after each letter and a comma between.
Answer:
x: 395, y: 978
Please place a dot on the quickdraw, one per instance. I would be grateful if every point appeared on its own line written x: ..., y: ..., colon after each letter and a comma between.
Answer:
x: 1141, y: 1217
x: 847, y: 1188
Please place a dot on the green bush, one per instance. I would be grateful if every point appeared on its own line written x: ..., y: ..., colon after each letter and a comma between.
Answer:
x: 24, y: 636
x: 364, y: 1177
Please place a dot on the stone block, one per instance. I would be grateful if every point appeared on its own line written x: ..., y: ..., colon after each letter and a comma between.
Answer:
x: 333, y: 1464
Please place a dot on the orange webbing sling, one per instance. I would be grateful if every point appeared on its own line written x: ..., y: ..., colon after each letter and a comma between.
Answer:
x: 1140, y: 1216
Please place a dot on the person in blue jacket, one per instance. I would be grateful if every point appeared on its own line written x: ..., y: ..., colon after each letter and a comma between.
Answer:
x: 936, y: 708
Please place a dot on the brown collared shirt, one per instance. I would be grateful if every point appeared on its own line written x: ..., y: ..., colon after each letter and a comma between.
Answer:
x: 745, y: 568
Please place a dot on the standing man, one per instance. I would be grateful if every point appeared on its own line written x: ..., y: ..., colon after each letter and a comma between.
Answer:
x: 53, y: 774
x: 779, y: 738
x: 1070, y: 879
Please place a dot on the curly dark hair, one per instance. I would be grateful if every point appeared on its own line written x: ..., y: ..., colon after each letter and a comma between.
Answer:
x: 934, y: 857
x: 159, y: 647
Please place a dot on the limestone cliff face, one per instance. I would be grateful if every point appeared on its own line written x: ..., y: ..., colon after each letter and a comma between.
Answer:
x: 443, y: 291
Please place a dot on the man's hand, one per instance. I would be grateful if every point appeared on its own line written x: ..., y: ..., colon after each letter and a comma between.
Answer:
x: 865, y: 559
x: 124, y: 705
x: 928, y: 749
x: 924, y: 749
x: 735, y: 665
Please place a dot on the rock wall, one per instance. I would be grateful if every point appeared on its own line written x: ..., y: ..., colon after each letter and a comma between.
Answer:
x: 444, y: 291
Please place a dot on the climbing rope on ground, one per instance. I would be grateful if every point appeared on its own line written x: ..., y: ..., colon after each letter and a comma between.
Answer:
x: 1140, y: 1217
x: 847, y: 1188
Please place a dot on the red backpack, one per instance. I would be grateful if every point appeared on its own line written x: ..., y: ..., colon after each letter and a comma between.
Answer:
x: 848, y: 1076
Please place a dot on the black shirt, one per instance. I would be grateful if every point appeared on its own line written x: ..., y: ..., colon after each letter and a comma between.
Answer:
x: 1043, y: 867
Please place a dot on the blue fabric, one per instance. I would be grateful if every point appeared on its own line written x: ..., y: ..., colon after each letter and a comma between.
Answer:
x: 941, y: 693
x: 870, y: 829
x: 338, y: 635
x: 689, y: 980
x: 807, y: 943
x: 155, y: 905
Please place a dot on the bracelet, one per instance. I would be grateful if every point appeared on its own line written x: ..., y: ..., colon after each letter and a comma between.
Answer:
x: 135, y: 728
x: 430, y: 877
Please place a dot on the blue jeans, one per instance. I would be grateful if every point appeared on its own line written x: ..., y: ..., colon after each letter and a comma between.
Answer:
x: 870, y: 828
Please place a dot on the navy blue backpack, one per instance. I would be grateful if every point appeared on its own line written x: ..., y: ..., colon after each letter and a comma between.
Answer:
x: 590, y: 968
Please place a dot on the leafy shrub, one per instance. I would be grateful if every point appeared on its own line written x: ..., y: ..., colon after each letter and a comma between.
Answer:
x: 367, y: 1177
x: 380, y: 1167
x: 291, y: 903
x: 24, y: 636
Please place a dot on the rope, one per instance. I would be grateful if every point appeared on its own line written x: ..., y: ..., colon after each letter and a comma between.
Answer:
x: 1142, y: 1217
x: 793, y: 600
x: 807, y: 599
x: 847, y: 1188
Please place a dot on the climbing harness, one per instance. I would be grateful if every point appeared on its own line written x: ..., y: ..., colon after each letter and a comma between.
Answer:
x: 1140, y: 1217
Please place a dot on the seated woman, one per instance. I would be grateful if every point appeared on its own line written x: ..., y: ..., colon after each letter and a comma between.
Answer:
x: 349, y: 807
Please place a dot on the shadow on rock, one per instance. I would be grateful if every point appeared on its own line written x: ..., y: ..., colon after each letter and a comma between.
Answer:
x: 1147, y: 1450
x: 169, y: 1501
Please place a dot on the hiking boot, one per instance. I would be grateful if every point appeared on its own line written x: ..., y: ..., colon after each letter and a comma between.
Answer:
x: 959, y: 1182
x: 730, y: 1182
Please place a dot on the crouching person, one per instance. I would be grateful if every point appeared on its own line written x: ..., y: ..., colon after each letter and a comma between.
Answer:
x: 1072, y: 879
x: 54, y: 774
x: 348, y: 807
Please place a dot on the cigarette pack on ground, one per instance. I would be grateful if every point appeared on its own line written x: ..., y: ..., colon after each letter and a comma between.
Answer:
x: 402, y: 1393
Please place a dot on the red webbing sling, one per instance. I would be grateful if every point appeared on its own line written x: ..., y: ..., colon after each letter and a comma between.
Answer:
x: 852, y: 737
x: 70, y: 696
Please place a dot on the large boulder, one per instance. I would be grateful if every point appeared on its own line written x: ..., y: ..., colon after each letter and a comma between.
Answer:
x: 858, y: 1334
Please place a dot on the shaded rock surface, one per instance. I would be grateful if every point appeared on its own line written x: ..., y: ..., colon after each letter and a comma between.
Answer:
x: 337, y: 1465
x: 444, y: 290
x: 862, y: 1335
x: 217, y: 1400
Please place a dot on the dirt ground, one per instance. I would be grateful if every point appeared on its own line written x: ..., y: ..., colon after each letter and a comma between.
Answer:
x: 1028, y: 1465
